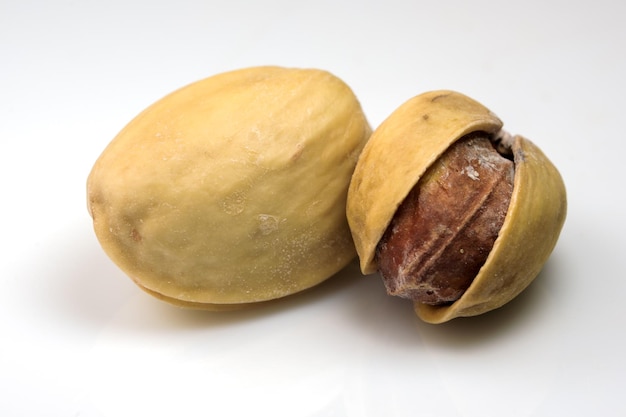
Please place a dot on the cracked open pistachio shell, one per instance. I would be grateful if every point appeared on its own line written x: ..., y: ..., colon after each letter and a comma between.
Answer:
x: 232, y: 190
x: 401, y: 153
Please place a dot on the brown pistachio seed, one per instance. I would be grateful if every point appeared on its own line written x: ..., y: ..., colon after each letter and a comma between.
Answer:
x: 443, y: 231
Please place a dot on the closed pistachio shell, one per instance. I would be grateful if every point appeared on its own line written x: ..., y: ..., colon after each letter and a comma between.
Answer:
x: 406, y: 145
x: 232, y: 190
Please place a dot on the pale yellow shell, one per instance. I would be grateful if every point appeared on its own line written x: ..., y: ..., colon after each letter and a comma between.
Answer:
x: 232, y: 190
x: 402, y: 149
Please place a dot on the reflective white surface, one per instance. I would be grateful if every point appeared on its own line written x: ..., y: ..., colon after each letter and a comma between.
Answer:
x: 79, y: 339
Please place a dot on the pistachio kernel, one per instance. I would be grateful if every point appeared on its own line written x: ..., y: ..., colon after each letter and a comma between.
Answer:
x: 443, y: 231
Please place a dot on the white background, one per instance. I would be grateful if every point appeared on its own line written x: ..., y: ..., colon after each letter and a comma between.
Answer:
x: 79, y: 339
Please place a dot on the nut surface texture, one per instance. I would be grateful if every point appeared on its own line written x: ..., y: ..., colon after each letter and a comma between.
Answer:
x: 453, y: 237
x: 441, y: 234
x: 232, y: 190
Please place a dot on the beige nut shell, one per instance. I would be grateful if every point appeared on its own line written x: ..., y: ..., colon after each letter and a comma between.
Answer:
x: 402, y: 149
x: 232, y: 190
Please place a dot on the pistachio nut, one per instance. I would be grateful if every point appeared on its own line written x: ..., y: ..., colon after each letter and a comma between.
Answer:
x: 232, y: 190
x: 493, y: 207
